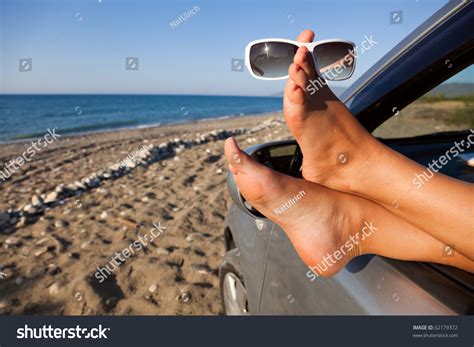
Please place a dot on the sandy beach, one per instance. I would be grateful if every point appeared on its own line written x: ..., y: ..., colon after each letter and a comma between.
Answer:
x: 73, y: 207
x: 83, y: 198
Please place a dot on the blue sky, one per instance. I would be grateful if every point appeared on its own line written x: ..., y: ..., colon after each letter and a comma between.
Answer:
x: 80, y: 46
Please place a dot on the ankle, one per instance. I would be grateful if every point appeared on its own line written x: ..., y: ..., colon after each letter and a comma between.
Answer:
x: 359, y: 228
x: 357, y: 174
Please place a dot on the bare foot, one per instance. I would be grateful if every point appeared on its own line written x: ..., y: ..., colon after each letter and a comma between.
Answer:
x: 335, y: 146
x: 328, y: 228
x: 314, y: 217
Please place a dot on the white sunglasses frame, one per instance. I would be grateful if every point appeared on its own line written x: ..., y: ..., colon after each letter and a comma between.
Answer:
x: 309, y: 45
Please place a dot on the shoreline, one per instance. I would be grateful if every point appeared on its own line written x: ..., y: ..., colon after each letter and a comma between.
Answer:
x: 139, y: 127
x: 92, y: 151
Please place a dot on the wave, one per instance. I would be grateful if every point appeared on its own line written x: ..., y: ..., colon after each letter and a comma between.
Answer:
x: 82, y: 129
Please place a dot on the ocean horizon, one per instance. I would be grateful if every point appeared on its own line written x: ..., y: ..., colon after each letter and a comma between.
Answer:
x: 25, y: 116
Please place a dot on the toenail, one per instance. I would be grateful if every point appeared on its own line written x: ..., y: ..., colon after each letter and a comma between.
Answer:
x: 236, y: 158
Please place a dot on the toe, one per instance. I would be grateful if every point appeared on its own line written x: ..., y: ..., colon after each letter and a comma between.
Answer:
x: 306, y: 36
x: 299, y: 76
x: 240, y: 161
x: 257, y: 183
x: 294, y: 96
x: 304, y: 59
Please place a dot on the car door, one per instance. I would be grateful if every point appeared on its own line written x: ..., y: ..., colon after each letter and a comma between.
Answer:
x: 251, y: 237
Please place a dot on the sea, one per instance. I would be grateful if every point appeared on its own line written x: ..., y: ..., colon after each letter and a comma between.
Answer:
x: 29, y: 116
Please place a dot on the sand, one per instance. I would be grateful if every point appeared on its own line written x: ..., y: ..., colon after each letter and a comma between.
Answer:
x: 49, y: 260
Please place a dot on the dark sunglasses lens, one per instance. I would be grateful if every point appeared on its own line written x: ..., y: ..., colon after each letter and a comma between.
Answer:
x: 335, y: 60
x: 272, y: 59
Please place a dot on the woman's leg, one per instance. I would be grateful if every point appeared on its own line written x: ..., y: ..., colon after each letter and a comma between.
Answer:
x: 328, y: 228
x: 339, y: 153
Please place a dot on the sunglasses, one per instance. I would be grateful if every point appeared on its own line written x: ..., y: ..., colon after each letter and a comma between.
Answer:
x: 269, y: 59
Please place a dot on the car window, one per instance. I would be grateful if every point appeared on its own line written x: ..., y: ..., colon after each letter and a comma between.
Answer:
x: 447, y: 107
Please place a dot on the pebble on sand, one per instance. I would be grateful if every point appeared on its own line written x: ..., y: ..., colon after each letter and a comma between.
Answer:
x: 194, y: 236
x: 60, y: 224
x: 54, y: 289
x: 23, y: 222
x: 36, y: 201
x: 29, y: 209
x: 162, y: 251
x: 51, y: 197
x: 86, y: 244
x: 41, y: 251
x: 12, y: 241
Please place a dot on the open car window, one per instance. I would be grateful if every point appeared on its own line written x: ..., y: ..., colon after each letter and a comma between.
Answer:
x: 447, y: 107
